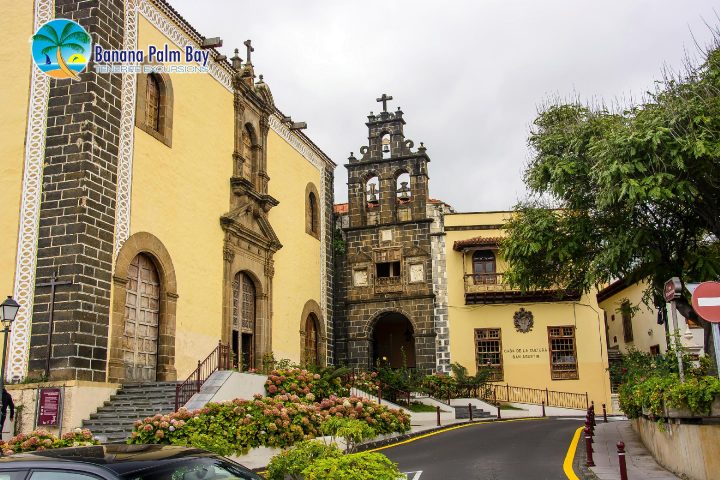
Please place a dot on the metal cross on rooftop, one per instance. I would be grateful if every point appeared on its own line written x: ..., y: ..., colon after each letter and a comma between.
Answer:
x: 384, y: 99
x: 250, y: 49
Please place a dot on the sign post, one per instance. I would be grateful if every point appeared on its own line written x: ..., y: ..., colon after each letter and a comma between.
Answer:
x: 706, y: 302
x: 672, y: 291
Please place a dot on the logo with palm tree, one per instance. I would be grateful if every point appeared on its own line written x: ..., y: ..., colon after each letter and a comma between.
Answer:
x: 61, y: 48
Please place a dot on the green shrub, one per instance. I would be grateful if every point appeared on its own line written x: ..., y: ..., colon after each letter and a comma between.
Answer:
x: 292, y: 462
x: 280, y: 421
x: 353, y: 432
x: 655, y: 393
x: 354, y: 466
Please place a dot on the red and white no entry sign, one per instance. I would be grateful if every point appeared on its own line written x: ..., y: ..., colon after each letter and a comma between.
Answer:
x: 706, y: 301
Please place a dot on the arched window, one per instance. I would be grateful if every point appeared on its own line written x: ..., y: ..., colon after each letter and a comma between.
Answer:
x: 247, y: 152
x: 312, y: 211
x: 312, y: 205
x: 386, y: 149
x: 155, y: 106
x: 152, y: 103
x: 311, y: 353
x: 483, y: 263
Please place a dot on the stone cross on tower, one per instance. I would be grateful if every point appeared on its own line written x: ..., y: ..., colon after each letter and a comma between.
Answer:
x: 384, y: 99
x: 250, y: 49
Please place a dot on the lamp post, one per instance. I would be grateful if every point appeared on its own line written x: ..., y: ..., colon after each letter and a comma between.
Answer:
x: 8, y: 310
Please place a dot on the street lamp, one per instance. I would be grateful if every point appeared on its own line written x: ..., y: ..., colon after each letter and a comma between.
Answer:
x: 8, y: 310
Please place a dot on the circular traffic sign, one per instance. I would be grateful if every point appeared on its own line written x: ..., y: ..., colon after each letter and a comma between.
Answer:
x: 706, y: 301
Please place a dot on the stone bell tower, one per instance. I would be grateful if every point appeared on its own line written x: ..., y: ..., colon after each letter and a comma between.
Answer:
x: 388, y: 293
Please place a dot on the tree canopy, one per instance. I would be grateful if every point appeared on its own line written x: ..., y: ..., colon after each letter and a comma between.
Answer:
x: 629, y: 193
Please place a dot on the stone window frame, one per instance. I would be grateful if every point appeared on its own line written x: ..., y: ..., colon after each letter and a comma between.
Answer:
x: 312, y: 216
x: 312, y: 307
x: 563, y: 373
x: 497, y: 373
x: 164, y: 134
x: 148, y: 244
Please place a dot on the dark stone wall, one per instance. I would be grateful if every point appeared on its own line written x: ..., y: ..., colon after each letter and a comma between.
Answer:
x: 389, y: 230
x: 77, y: 212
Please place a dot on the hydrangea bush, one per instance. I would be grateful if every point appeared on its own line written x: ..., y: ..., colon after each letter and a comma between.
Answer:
x: 44, y: 440
x: 302, y: 382
x: 236, y: 426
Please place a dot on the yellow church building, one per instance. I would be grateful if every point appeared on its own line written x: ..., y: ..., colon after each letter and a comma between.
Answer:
x: 153, y: 215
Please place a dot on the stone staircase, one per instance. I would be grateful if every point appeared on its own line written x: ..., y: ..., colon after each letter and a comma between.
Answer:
x: 133, y: 401
x: 462, y: 411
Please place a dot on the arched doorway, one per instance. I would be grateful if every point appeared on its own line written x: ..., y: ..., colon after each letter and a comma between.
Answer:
x: 393, y: 341
x: 142, y: 314
x: 311, y: 354
x: 244, y: 312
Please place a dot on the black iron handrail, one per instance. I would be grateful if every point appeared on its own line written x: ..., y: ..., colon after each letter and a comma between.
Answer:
x: 219, y: 359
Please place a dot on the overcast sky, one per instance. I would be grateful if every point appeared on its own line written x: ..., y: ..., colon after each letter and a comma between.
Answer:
x: 469, y: 75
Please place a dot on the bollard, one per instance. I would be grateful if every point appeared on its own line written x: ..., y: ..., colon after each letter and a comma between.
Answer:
x: 499, y: 417
x: 604, y: 413
x: 470, y: 410
x: 437, y: 409
x: 543, y: 409
x: 592, y: 417
x: 588, y: 427
x: 621, y: 460
x: 588, y: 448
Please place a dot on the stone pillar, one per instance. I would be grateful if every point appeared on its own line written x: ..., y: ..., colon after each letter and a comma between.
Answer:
x: 77, y: 213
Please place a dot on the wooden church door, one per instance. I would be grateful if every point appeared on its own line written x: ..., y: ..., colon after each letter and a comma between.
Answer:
x: 244, y: 321
x: 142, y: 312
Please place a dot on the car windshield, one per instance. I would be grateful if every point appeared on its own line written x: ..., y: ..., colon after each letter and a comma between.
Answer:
x: 195, y: 469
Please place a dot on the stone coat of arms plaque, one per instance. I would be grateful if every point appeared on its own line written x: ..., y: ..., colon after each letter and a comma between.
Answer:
x: 523, y: 320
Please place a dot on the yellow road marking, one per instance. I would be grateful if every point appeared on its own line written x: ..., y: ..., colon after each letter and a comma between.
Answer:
x: 437, y: 432
x: 570, y: 456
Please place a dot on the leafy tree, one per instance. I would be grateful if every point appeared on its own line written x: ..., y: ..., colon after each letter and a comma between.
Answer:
x: 631, y: 194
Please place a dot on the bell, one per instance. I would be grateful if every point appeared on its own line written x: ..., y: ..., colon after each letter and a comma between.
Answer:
x: 386, y: 149
x: 404, y: 191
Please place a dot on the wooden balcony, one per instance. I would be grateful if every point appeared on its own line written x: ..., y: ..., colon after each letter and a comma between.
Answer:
x: 487, y: 288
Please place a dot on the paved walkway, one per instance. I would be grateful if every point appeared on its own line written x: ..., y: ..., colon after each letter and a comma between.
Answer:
x: 640, y: 464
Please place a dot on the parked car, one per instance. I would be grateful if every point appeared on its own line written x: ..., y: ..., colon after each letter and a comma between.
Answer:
x: 126, y: 462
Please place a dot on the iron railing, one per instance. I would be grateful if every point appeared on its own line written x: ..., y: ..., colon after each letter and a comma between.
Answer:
x: 551, y: 398
x: 219, y: 359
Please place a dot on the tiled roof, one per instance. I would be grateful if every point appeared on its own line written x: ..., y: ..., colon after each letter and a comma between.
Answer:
x: 340, y: 208
x: 477, y: 242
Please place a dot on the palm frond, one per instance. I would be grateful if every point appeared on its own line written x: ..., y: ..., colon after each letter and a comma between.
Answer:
x: 75, y: 47
x: 44, y: 38
x: 66, y: 31
x: 49, y: 49
x: 77, y: 36
x: 47, y: 29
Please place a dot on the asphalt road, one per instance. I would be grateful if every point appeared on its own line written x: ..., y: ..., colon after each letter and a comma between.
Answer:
x: 528, y: 449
